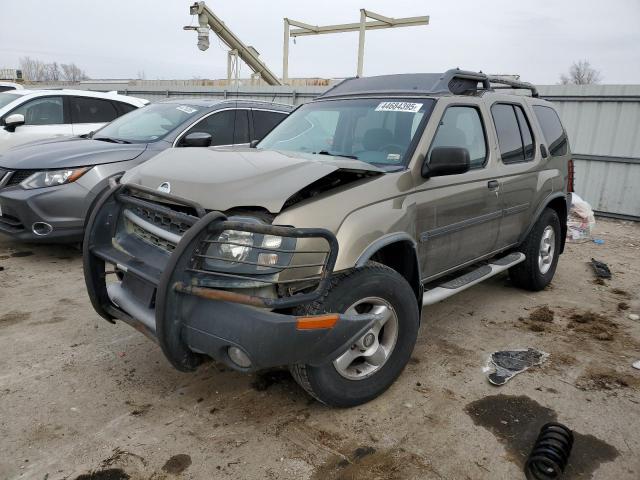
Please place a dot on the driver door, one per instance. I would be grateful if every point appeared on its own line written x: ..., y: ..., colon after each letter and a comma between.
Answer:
x: 44, y: 117
x: 458, y: 216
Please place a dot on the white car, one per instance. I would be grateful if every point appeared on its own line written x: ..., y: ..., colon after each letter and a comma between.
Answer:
x: 4, y: 86
x: 28, y: 115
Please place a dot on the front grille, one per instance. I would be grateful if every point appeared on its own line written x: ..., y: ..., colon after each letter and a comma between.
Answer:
x: 149, y: 237
x: 160, y: 224
x: 19, y: 176
x: 163, y: 221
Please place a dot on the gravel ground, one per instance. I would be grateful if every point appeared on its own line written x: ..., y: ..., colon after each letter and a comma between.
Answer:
x: 83, y: 399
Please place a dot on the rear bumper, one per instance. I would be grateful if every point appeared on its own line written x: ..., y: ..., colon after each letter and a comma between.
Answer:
x: 59, y: 207
x: 160, y: 295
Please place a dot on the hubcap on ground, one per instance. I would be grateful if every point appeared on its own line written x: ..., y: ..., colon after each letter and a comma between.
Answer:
x: 371, y: 351
x: 547, y: 249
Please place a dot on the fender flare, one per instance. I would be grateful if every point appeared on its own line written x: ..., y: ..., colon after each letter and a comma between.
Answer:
x: 390, y: 239
x: 544, y: 204
x: 383, y: 241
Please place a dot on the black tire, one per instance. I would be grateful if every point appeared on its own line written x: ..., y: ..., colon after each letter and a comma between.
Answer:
x: 374, y: 280
x: 528, y: 274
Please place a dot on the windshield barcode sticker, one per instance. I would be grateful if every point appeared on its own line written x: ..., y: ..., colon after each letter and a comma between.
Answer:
x: 187, y: 110
x: 399, y: 107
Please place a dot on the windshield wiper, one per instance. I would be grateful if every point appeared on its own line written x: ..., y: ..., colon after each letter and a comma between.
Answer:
x: 343, y: 155
x: 112, y: 140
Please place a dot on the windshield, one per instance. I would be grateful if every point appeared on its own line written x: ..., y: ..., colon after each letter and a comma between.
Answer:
x: 7, y: 98
x: 148, y: 124
x: 376, y: 131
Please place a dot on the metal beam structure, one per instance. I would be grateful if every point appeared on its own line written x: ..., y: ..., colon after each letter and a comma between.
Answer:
x: 207, y: 21
x: 378, y: 22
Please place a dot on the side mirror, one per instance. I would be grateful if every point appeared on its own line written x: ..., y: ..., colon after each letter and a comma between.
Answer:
x: 446, y: 161
x: 13, y: 121
x: 543, y: 151
x: 197, y: 139
x: 254, y: 143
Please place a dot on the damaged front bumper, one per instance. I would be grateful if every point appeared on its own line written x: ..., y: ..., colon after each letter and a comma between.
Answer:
x: 147, y: 263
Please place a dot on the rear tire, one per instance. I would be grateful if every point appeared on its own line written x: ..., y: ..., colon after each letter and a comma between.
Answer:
x: 542, y: 248
x: 370, y: 366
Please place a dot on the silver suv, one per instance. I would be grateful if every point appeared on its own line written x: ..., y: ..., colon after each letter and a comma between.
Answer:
x: 318, y: 248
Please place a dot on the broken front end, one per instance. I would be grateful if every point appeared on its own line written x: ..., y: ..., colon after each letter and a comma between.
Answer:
x: 202, y: 283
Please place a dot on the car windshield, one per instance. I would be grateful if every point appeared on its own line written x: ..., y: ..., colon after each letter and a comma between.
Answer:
x: 6, y: 98
x: 148, y: 124
x: 373, y: 130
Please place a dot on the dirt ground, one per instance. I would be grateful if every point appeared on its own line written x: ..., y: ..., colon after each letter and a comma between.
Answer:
x: 84, y: 399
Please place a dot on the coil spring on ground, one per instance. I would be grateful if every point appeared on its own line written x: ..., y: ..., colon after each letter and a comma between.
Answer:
x: 550, y: 453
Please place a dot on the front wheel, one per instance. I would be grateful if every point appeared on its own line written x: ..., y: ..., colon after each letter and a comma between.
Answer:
x: 372, y: 363
x: 542, y: 248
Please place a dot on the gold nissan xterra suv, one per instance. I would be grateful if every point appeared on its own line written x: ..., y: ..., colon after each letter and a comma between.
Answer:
x: 317, y: 248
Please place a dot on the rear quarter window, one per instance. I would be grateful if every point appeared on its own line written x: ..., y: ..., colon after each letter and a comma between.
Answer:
x: 552, y: 129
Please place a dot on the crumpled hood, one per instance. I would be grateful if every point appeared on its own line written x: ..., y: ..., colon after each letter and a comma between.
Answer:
x: 221, y: 179
x: 68, y: 152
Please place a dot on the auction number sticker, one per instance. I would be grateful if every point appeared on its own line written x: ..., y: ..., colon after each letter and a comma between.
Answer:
x: 399, y: 107
x: 186, y: 109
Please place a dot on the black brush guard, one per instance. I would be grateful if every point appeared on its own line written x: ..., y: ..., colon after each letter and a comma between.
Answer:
x: 191, y: 317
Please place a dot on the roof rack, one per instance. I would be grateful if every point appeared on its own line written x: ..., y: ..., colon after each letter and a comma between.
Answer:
x: 517, y: 84
x: 454, y: 81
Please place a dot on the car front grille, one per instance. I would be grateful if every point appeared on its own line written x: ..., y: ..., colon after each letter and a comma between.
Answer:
x: 19, y: 176
x: 163, y: 221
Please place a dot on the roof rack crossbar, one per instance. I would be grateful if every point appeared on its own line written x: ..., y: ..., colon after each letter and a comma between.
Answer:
x: 514, y: 84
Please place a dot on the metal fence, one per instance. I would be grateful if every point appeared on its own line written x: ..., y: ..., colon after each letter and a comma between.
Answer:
x: 603, y: 123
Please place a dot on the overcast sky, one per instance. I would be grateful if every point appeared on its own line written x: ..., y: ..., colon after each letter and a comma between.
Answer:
x: 538, y: 40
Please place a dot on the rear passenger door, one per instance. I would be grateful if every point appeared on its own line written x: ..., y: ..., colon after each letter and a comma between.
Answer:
x: 521, y: 181
x: 89, y: 114
x: 264, y: 121
x: 458, y: 216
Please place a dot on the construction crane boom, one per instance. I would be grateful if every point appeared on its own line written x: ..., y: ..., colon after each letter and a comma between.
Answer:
x: 208, y: 20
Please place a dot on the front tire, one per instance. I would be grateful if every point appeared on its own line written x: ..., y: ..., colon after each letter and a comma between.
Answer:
x: 372, y: 364
x: 542, y: 248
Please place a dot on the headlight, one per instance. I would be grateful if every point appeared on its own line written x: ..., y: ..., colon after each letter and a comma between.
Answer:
x: 243, y: 252
x: 234, y: 245
x: 52, y: 178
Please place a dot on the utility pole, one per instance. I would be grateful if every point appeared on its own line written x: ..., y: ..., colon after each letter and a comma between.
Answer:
x: 378, y: 22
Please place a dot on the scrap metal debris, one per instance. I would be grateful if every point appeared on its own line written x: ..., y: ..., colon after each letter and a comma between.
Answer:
x: 506, y: 364
x: 601, y: 269
x: 550, y: 454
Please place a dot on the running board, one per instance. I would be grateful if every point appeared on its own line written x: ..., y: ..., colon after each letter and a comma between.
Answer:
x: 457, y: 285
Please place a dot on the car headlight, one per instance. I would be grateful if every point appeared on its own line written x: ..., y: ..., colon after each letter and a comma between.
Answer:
x: 234, y: 245
x: 244, y: 252
x: 52, y: 178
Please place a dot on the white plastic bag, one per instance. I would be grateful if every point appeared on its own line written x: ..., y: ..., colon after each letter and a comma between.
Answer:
x: 581, y: 220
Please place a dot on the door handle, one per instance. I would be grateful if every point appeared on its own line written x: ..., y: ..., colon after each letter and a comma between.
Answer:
x: 493, y: 185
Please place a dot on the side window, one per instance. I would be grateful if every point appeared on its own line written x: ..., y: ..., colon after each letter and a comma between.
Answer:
x: 220, y: 126
x: 125, y: 107
x: 264, y: 122
x: 241, y: 130
x: 554, y: 134
x: 42, y: 111
x: 509, y: 140
x: 527, y: 135
x: 462, y: 127
x: 92, y: 110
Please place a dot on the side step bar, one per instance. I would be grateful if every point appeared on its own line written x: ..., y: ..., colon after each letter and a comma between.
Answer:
x: 457, y: 285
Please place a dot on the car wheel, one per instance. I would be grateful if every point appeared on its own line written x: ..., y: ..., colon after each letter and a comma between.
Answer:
x: 373, y: 362
x: 541, y: 247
